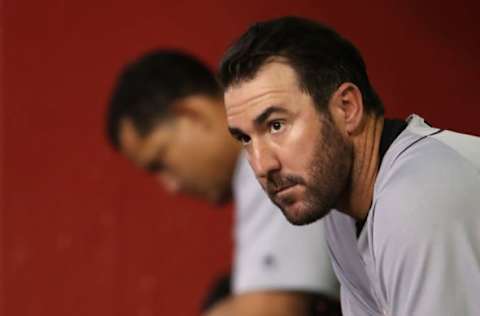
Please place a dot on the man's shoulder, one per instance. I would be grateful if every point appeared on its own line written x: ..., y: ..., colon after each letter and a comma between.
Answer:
x: 422, y: 164
x: 424, y: 187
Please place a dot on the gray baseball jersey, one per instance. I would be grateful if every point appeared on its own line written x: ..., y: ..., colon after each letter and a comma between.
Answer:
x: 418, y: 253
x: 270, y: 253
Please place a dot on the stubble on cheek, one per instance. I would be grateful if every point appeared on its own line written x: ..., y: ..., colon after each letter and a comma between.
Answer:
x: 326, y: 181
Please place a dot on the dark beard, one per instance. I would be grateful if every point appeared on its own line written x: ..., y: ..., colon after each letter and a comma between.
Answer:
x: 330, y: 170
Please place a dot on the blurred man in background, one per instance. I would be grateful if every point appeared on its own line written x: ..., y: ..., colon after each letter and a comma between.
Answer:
x: 166, y: 115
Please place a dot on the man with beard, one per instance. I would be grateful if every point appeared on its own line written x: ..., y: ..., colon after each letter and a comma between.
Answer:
x: 167, y: 116
x: 401, y: 198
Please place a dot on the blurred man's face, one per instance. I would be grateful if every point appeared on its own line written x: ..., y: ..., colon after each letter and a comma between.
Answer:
x: 299, y: 156
x: 185, y: 153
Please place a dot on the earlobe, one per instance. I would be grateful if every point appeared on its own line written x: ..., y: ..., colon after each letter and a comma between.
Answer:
x: 351, y: 104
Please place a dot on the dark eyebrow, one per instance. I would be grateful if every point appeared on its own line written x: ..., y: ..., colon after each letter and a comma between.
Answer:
x: 236, y: 132
x: 259, y: 120
x: 262, y: 117
x: 155, y: 164
x: 153, y: 167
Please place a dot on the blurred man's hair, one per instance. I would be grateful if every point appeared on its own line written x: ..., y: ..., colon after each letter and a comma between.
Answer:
x: 321, y: 58
x: 147, y: 88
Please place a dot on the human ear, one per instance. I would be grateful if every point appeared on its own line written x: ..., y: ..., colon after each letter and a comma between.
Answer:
x: 347, y: 107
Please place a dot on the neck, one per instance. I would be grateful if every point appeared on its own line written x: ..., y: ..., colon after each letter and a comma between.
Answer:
x: 366, y: 161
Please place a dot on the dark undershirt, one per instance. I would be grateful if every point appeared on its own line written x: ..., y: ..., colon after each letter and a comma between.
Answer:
x: 390, y: 132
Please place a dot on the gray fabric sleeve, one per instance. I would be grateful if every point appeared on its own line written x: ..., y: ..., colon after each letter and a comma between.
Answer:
x: 278, y: 255
x: 427, y: 237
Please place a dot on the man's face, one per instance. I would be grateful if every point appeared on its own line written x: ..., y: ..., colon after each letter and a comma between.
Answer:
x: 185, y: 154
x: 299, y: 156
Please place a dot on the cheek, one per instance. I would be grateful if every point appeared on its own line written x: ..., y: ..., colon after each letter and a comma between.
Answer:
x: 178, y: 164
x: 192, y: 167
x: 297, y: 148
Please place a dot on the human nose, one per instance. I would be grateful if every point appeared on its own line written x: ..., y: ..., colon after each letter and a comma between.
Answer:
x: 263, y: 160
x: 168, y: 181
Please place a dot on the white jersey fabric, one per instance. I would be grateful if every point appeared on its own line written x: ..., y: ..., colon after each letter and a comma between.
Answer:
x: 270, y: 253
x: 418, y: 253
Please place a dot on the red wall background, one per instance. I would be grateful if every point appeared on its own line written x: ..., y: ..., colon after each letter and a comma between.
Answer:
x: 81, y: 231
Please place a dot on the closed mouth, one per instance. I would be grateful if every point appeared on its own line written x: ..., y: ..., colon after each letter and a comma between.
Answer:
x: 282, y: 189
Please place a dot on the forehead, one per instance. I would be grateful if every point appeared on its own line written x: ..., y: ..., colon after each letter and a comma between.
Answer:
x: 274, y: 79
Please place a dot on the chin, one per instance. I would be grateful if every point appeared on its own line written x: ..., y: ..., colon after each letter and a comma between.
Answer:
x: 297, y: 215
x: 300, y: 214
